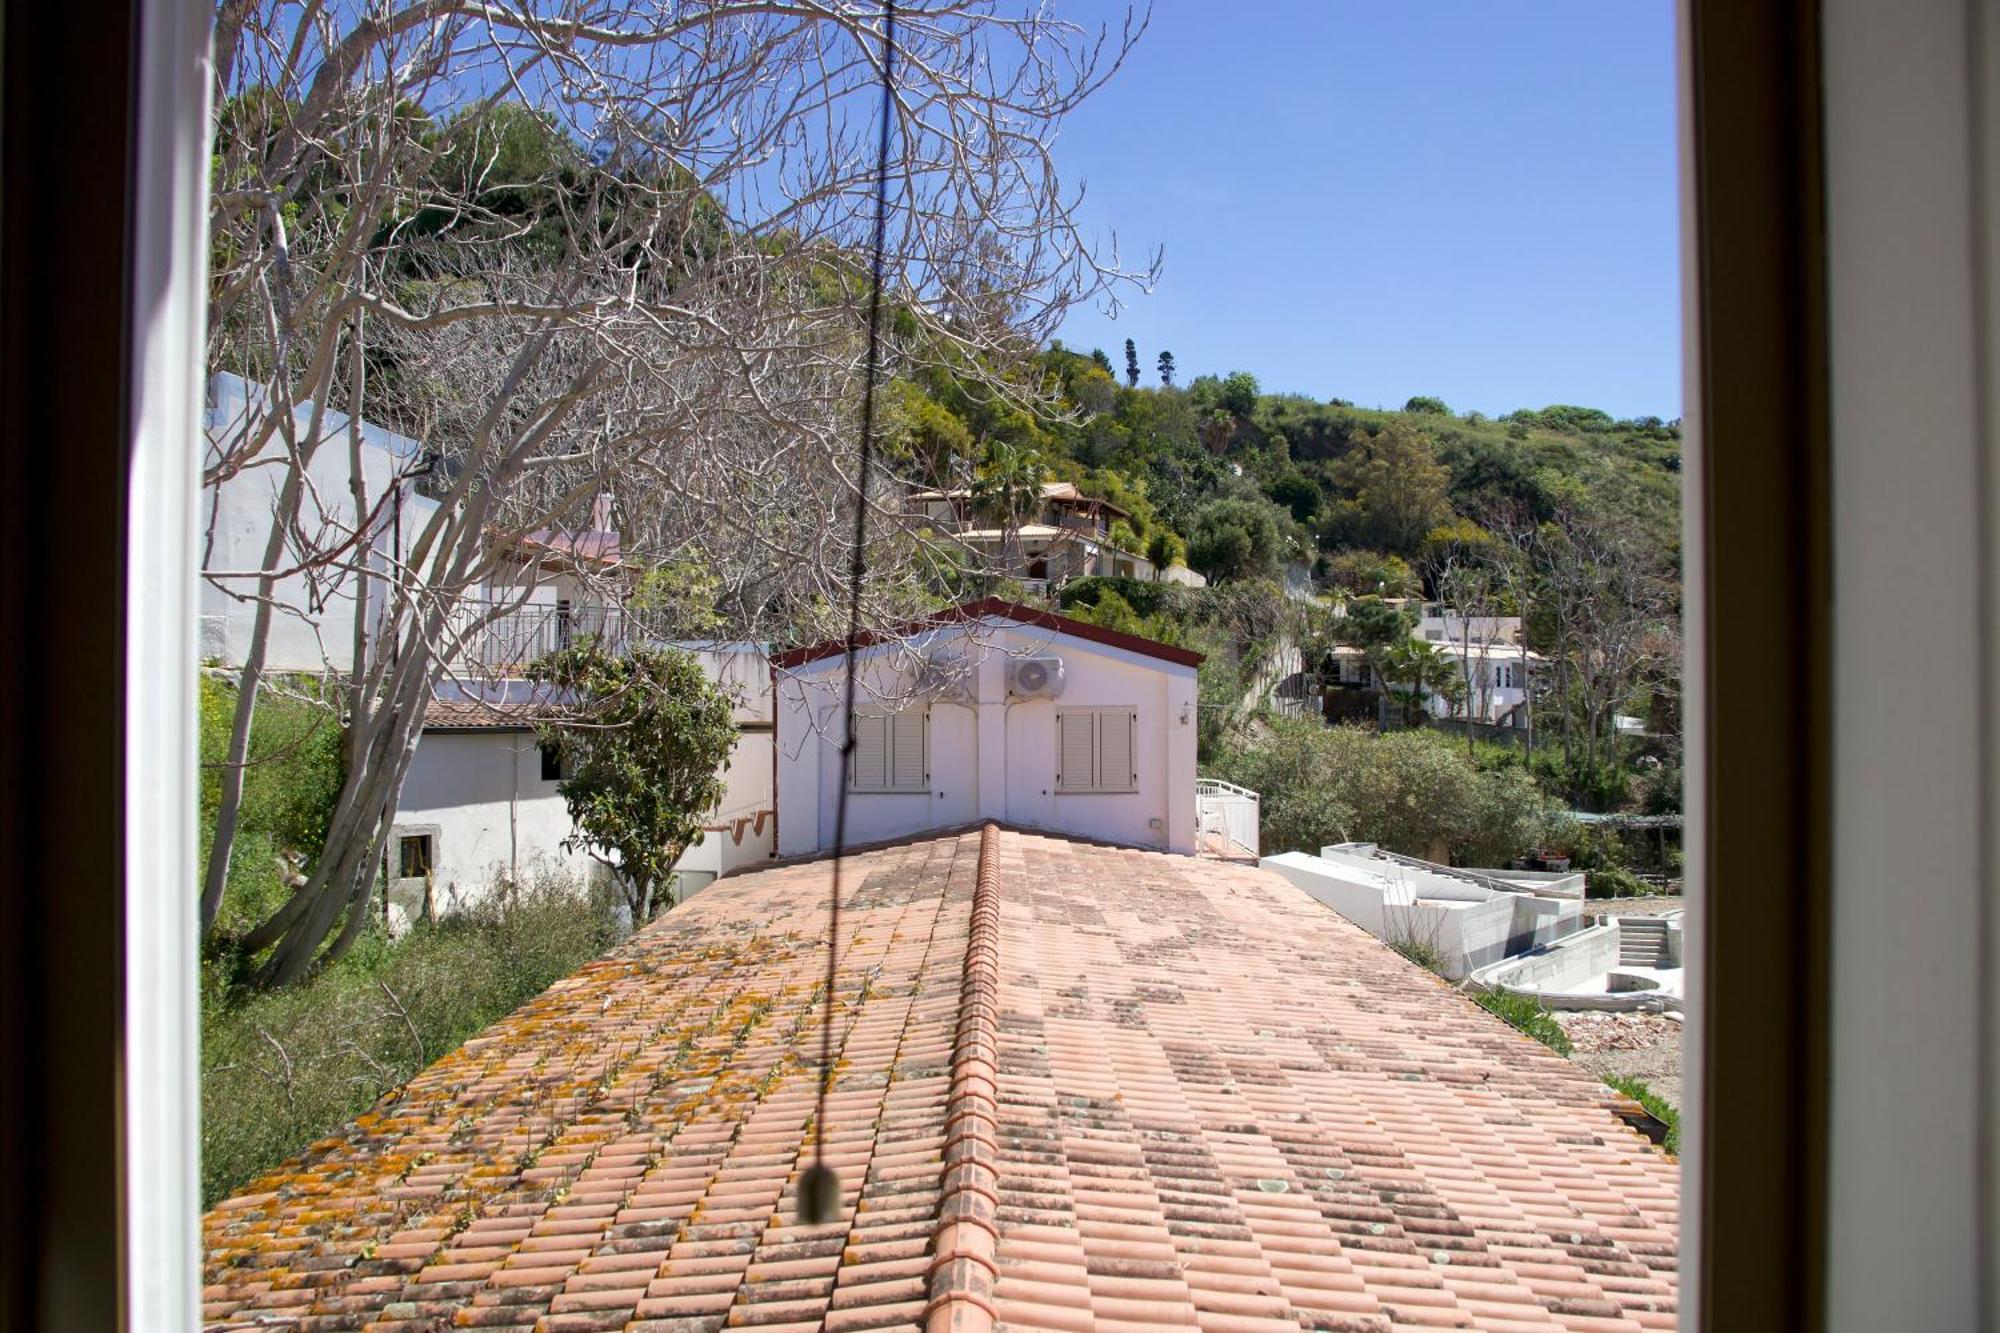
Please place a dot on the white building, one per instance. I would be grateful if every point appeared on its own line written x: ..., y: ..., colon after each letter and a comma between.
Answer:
x: 314, y: 630
x: 1491, y: 657
x: 479, y: 804
x: 1466, y: 919
x: 991, y: 711
x: 1489, y: 664
x: 542, y: 592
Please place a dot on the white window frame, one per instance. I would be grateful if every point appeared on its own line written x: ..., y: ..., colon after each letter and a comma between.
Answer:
x: 861, y: 785
x: 1096, y: 785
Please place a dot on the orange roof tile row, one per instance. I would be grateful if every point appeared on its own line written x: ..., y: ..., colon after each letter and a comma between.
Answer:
x: 1078, y: 1087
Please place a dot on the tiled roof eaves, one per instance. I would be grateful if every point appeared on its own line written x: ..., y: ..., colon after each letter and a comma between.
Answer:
x: 1000, y: 609
x: 964, y: 1265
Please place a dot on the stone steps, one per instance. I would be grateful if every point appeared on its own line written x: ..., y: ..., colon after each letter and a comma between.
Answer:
x: 1642, y: 942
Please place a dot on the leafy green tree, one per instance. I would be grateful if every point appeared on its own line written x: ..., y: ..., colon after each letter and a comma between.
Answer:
x: 1235, y: 539
x: 1166, y: 366
x: 1399, y: 489
x: 1298, y: 493
x: 1165, y: 549
x: 1371, y: 573
x: 1371, y: 622
x: 1239, y: 393
x: 1131, y: 365
x: 644, y: 739
x: 1421, y: 668
x: 1424, y: 405
x: 926, y: 434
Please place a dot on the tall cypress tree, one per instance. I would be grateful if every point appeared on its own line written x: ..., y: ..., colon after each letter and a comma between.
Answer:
x: 1131, y: 365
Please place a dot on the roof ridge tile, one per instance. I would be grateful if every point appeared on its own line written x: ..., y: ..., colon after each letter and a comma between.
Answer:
x: 965, y: 1248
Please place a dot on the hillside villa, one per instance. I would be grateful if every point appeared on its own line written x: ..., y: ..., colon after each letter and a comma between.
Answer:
x: 1067, y: 535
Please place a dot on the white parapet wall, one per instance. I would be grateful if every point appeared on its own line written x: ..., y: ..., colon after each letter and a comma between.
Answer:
x: 1465, y: 924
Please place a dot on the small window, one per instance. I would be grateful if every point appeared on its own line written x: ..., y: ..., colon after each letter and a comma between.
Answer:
x: 1095, y: 752
x: 414, y: 856
x: 891, y: 752
x: 551, y: 763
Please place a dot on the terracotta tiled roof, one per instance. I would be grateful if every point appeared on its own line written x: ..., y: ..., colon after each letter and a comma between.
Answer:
x: 1079, y: 1087
x: 471, y: 715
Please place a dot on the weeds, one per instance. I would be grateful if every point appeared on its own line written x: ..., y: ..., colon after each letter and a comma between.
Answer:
x: 1526, y: 1013
x: 1656, y: 1106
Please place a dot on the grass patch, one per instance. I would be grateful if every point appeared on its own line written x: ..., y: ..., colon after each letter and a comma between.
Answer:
x: 1526, y: 1013
x: 282, y: 1069
x: 1424, y: 953
x: 290, y: 783
x: 1656, y: 1106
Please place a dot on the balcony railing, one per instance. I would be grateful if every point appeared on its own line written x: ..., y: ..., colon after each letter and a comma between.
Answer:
x: 507, y: 643
x: 1226, y: 818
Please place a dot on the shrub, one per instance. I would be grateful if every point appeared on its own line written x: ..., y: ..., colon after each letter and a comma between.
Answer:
x: 1424, y: 953
x: 1614, y: 881
x: 1235, y: 538
x: 644, y: 746
x: 1656, y: 1106
x: 1413, y: 792
x: 1147, y: 599
x: 289, y: 788
x: 1526, y: 1013
x: 281, y: 1069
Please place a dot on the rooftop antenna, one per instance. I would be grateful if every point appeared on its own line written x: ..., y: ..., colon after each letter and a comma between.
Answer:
x: 819, y: 1188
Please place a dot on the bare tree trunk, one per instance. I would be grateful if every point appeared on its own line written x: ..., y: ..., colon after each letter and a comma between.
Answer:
x: 229, y: 810
x: 355, y: 835
x: 357, y: 475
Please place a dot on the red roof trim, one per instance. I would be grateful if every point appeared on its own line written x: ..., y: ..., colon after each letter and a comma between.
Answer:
x: 1001, y: 609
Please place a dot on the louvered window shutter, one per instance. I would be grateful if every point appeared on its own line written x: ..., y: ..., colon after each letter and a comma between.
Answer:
x: 1076, y: 751
x: 869, y: 770
x: 908, y: 761
x: 1114, y: 752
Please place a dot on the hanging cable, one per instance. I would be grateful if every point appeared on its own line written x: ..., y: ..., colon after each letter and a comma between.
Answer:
x: 819, y: 1188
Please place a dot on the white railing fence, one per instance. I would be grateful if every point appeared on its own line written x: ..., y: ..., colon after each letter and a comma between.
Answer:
x: 1226, y: 817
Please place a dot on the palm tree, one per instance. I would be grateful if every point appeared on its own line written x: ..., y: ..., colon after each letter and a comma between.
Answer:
x: 1008, y: 492
x: 1418, y: 664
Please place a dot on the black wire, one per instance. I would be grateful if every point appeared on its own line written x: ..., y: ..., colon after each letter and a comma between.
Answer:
x: 816, y: 1195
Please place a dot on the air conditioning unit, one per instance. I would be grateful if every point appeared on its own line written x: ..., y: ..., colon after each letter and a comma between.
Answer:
x: 1035, y: 677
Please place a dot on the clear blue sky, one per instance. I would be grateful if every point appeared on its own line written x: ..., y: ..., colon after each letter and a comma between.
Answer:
x: 1370, y: 200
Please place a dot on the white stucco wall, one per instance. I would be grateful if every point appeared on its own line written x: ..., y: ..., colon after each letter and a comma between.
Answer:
x: 236, y: 517
x: 483, y: 791
x: 991, y: 756
x: 484, y: 794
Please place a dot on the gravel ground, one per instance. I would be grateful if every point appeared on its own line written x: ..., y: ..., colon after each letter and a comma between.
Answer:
x: 1642, y: 1046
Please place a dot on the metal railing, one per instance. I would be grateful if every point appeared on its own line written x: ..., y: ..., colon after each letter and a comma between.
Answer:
x: 1226, y: 817
x: 511, y: 640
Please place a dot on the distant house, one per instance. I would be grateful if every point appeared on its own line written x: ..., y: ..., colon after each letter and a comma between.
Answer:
x: 991, y: 711
x: 1489, y: 661
x: 1067, y: 536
